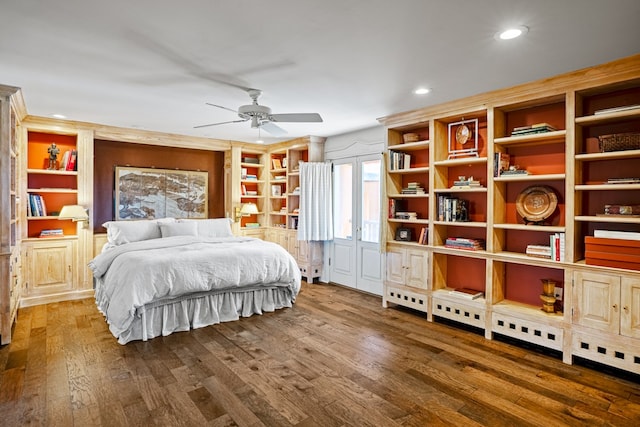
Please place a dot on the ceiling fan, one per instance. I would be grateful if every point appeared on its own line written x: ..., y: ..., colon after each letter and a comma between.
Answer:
x: 262, y: 118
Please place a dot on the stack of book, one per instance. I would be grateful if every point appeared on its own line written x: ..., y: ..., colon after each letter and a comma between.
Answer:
x: 251, y: 177
x: 54, y: 232
x: 533, y: 129
x: 464, y: 243
x: 623, y: 181
x: 466, y: 183
x: 413, y: 188
x: 538, y: 251
x: 617, y: 109
x: 407, y: 215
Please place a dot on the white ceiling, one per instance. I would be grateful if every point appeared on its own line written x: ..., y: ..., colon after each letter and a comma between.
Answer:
x: 152, y: 64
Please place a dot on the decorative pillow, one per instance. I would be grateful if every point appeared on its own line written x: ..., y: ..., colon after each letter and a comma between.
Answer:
x: 121, y: 232
x: 169, y: 229
x: 214, y: 227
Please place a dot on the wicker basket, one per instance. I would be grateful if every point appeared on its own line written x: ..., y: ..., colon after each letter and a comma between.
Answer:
x: 619, y: 142
x: 410, y: 137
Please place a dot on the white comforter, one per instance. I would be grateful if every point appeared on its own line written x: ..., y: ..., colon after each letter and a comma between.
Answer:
x: 132, y: 275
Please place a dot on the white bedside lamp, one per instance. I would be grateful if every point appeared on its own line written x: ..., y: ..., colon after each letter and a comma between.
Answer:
x: 75, y: 213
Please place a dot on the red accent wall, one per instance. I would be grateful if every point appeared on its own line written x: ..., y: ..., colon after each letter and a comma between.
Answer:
x: 109, y: 154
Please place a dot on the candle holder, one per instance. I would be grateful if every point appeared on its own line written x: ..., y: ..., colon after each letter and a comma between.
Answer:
x: 548, y: 296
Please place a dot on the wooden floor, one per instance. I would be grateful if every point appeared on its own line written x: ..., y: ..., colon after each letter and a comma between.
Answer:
x: 335, y: 359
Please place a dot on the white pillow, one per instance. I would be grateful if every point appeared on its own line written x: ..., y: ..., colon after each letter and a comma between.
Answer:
x: 169, y: 229
x: 214, y: 227
x: 121, y: 232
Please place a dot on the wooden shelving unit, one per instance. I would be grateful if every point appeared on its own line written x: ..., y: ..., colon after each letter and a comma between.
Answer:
x: 569, y: 160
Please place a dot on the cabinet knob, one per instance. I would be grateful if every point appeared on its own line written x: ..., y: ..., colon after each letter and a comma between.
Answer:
x: 615, y: 307
x: 626, y: 309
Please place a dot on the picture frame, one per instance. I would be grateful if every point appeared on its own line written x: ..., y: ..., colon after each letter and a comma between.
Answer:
x: 404, y: 234
x: 276, y: 190
x: 149, y: 193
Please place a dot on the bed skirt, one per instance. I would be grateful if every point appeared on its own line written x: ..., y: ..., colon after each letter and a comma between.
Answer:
x: 164, y: 317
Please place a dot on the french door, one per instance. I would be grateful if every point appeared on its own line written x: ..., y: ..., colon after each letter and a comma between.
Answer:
x: 356, y: 259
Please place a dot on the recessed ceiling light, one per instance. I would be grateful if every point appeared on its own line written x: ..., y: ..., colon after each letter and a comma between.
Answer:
x: 59, y: 116
x: 512, y: 33
x: 422, y: 91
x: 259, y: 141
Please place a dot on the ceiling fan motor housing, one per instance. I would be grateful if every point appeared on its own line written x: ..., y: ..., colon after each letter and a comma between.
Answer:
x: 254, y: 111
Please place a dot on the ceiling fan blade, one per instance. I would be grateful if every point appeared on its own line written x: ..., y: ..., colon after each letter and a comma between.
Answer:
x: 273, y: 129
x: 216, y: 124
x: 296, y: 117
x: 184, y: 62
x: 220, y: 106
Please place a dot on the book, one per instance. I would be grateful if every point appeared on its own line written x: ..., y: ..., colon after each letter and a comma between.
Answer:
x: 466, y: 293
x: 611, y: 234
x: 501, y: 163
x: 617, y: 109
x: 54, y: 232
x: 73, y: 157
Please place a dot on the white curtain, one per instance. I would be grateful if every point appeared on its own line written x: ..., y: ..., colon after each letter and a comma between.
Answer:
x: 316, y: 202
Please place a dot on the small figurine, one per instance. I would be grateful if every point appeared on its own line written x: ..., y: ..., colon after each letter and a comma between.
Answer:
x: 53, y: 151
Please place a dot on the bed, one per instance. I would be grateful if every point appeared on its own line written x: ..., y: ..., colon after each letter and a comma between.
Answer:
x: 156, y: 277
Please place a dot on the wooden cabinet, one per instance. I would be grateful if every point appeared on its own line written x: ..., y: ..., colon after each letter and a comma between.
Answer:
x: 406, y: 282
x: 607, y: 302
x: 50, y: 267
x: 10, y: 206
x: 606, y: 318
x: 578, y: 139
x: 55, y: 268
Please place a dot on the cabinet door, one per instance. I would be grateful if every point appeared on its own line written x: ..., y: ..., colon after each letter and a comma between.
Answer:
x: 270, y: 235
x: 416, y: 271
x: 395, y: 265
x: 281, y: 238
x: 630, y: 303
x: 50, y: 268
x: 292, y: 243
x: 597, y: 301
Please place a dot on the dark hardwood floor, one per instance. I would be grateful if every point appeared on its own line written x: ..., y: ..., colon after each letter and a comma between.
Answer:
x: 337, y: 358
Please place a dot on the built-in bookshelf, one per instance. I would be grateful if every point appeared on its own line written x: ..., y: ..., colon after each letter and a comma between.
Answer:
x: 252, y: 188
x: 526, y: 189
x: 51, y: 181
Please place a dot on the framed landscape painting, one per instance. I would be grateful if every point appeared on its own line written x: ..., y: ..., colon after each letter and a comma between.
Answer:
x: 148, y: 193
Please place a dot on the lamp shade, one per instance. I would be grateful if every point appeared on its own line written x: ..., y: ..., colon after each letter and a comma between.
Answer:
x: 249, y: 209
x: 74, y: 212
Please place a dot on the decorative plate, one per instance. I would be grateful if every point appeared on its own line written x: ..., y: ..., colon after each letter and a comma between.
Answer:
x: 463, y: 134
x: 536, y: 203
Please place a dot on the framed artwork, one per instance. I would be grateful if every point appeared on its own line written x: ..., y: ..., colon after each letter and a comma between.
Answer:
x: 147, y: 193
x: 276, y: 190
x: 403, y: 234
x: 463, y: 138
